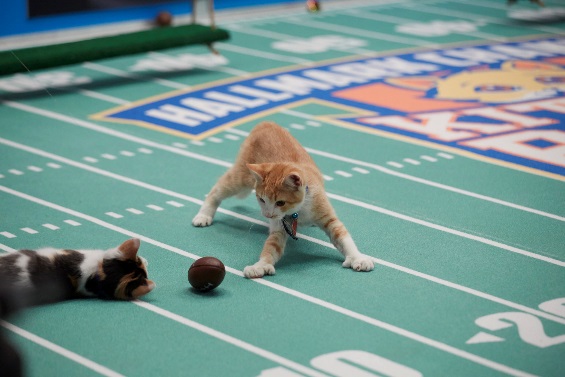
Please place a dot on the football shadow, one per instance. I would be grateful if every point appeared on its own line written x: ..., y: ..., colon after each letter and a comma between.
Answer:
x: 216, y: 292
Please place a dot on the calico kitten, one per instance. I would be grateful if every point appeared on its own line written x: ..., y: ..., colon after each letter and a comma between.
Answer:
x: 50, y: 274
x: 290, y: 192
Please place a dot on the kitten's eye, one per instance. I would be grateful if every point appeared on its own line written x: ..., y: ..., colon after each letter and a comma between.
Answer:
x: 280, y: 203
x: 261, y: 200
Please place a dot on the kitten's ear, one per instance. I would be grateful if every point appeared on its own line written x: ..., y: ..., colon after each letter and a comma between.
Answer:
x: 293, y: 180
x: 257, y: 170
x: 129, y: 248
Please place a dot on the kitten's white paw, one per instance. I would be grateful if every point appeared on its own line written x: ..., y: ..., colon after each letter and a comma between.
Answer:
x: 361, y: 263
x: 202, y: 220
x: 258, y: 270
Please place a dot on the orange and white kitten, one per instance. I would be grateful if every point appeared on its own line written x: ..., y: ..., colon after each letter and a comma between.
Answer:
x: 290, y: 192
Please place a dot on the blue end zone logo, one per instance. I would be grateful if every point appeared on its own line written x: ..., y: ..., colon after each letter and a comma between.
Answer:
x: 503, y: 101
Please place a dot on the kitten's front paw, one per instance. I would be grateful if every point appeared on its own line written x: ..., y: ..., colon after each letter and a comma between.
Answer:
x: 258, y: 270
x: 201, y: 220
x: 361, y: 263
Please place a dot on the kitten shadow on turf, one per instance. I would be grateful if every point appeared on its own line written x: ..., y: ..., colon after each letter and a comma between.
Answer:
x: 295, y: 258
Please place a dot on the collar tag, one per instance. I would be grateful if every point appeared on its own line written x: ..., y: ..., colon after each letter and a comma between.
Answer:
x: 290, y: 229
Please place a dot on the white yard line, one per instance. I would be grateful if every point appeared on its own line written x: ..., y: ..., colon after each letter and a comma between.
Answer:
x: 103, y: 97
x: 7, y: 248
x: 172, y: 316
x: 132, y: 76
x: 333, y: 196
x: 237, y: 131
x: 286, y: 37
x: 95, y: 127
x: 296, y: 114
x: 261, y: 54
x: 230, y: 339
x: 230, y: 71
x: 441, y: 186
x: 264, y: 224
x: 380, y: 324
x: 401, y: 21
x: 493, y: 5
x: 435, y: 184
x: 109, y: 131
x: 219, y: 68
x: 476, y: 17
x: 7, y: 235
x: 61, y: 351
x: 341, y: 158
x: 365, y: 33
x: 445, y: 229
x: 274, y: 12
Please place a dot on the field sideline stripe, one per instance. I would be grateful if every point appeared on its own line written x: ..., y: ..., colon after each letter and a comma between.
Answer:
x: 262, y: 223
x: 383, y: 325
x: 95, y: 127
x: 60, y: 350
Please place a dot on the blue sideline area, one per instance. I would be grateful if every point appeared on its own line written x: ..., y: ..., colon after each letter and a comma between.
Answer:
x: 15, y: 19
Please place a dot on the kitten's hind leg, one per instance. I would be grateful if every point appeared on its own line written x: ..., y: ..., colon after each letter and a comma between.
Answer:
x: 228, y: 185
x: 342, y: 240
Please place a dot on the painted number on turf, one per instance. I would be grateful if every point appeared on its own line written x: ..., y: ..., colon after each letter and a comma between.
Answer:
x: 556, y: 306
x: 529, y: 327
x: 350, y: 363
x: 439, y: 28
x: 320, y: 43
x: 22, y: 83
x: 172, y: 63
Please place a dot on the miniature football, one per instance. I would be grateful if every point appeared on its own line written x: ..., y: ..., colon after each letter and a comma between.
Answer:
x: 163, y: 18
x: 206, y: 274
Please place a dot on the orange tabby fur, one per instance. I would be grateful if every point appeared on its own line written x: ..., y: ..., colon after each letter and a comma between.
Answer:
x: 286, y: 180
